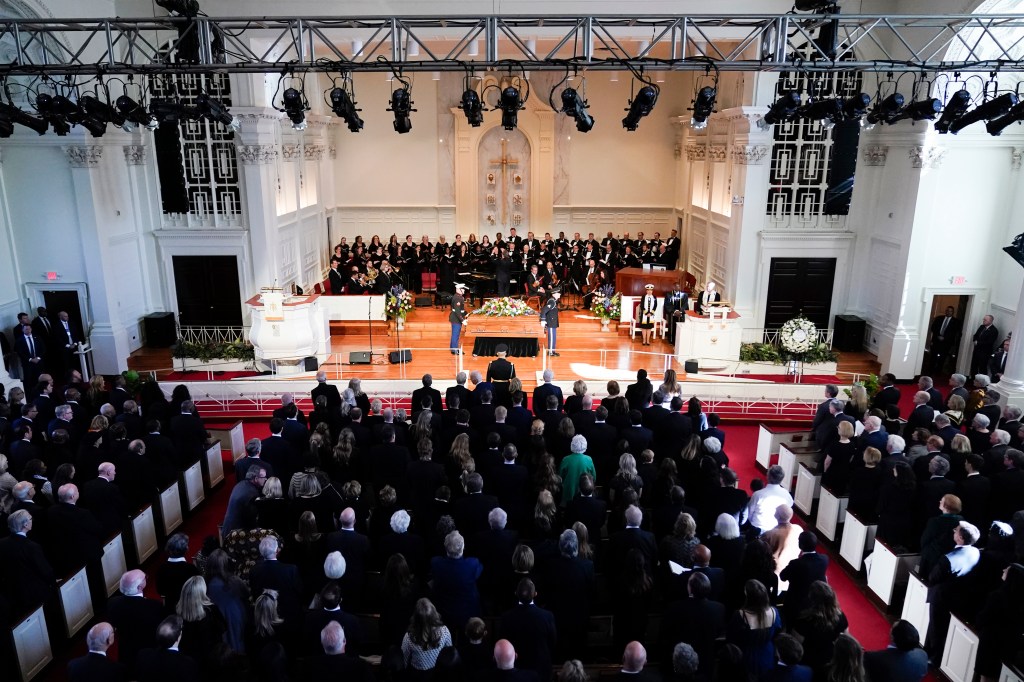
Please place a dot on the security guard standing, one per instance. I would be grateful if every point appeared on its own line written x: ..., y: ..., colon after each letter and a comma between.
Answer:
x: 500, y: 372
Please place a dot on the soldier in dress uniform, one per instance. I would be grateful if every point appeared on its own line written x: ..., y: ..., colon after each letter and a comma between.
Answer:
x: 499, y: 373
x: 457, y: 316
x: 549, y: 320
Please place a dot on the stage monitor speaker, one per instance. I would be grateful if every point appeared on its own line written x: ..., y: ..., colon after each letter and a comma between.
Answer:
x: 690, y: 366
x: 159, y: 330
x: 359, y: 357
x: 424, y: 301
x: 311, y: 364
x: 396, y: 357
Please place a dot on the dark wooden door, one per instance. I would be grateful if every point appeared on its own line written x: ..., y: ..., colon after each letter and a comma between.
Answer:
x: 207, y: 290
x: 64, y: 301
x: 800, y: 285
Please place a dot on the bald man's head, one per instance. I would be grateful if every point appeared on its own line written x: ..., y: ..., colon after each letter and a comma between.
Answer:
x: 504, y: 654
x: 348, y: 518
x: 100, y: 637
x: 634, y: 658
x: 701, y: 555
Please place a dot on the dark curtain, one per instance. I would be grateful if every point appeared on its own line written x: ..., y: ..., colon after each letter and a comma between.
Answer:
x: 518, y: 346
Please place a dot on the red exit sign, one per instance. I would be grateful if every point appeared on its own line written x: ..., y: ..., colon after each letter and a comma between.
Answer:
x: 958, y: 280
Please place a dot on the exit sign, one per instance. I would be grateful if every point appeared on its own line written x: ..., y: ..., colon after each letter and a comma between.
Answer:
x: 958, y: 280
x: 52, y: 276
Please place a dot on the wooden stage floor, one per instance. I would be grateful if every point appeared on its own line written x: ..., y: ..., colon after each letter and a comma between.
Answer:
x: 580, y: 342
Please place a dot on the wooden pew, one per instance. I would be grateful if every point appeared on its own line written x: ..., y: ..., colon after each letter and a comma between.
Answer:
x: 113, y: 563
x: 790, y: 457
x: 144, y: 539
x: 808, y: 485
x: 960, y: 651
x: 213, y: 465
x: 831, y: 513
x: 889, y: 573
x: 75, y: 602
x: 1010, y: 674
x: 192, y: 489
x: 32, y: 644
x: 170, y: 508
x: 231, y: 438
x: 857, y: 537
x: 915, y: 604
x: 769, y: 439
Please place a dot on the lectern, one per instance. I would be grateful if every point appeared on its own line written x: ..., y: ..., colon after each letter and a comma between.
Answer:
x: 715, y: 337
x: 288, y: 329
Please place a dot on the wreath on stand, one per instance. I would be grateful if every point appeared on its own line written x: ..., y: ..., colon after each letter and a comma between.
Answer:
x: 798, y: 337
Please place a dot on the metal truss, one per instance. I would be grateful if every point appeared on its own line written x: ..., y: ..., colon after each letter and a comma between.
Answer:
x: 732, y: 42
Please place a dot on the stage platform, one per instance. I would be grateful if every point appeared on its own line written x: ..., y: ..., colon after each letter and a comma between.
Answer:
x: 585, y: 353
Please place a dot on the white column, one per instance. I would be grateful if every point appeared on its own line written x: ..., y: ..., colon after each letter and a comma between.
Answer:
x: 258, y: 156
x: 1011, y: 385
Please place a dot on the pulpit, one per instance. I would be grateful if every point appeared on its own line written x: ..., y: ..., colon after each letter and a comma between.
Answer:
x: 714, y: 337
x: 288, y: 329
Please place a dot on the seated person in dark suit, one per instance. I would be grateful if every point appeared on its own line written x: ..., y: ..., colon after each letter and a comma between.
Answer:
x: 164, y: 663
x: 95, y: 666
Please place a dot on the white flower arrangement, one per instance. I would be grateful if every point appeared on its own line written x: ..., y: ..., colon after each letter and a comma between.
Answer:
x: 504, y: 307
x: 798, y: 335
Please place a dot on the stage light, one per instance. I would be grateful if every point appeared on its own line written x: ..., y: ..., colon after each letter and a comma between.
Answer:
x: 401, y: 106
x: 295, y: 106
x: 215, y: 111
x: 6, y: 127
x: 783, y: 109
x: 855, y: 107
x: 185, y: 8
x: 12, y: 113
x: 99, y: 112
x: 885, y: 111
x: 994, y: 108
x: 922, y: 110
x: 703, y: 107
x: 55, y: 110
x: 575, y: 106
x: 827, y: 111
x: 1016, y: 249
x: 135, y: 114
x: 640, y: 106
x: 814, y: 5
x: 510, y: 104
x: 996, y: 126
x: 345, y: 109
x: 472, y: 107
x: 170, y: 111
x: 954, y: 109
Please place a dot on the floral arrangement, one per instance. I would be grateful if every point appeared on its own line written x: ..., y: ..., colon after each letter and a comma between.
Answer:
x: 798, y: 336
x: 399, y: 302
x: 239, y: 349
x: 504, y: 307
x: 607, y: 304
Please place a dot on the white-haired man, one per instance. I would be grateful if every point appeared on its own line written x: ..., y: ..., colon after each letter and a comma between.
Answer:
x: 134, y: 617
x: 95, y: 666
x: 547, y: 388
x: 271, y: 574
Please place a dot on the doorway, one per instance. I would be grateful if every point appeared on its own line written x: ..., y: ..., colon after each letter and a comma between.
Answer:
x: 207, y: 291
x: 800, y: 286
x: 942, y: 348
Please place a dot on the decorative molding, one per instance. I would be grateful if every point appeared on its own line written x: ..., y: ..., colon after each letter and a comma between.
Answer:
x: 135, y: 154
x: 1016, y: 157
x: 696, y: 152
x: 258, y: 116
x: 332, y: 151
x: 875, y: 155
x: 290, y: 152
x: 717, y: 153
x: 314, y: 152
x: 926, y: 157
x: 749, y: 154
x: 83, y: 156
x: 257, y: 154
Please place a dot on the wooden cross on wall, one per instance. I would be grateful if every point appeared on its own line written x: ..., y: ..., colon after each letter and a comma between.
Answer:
x: 505, y: 162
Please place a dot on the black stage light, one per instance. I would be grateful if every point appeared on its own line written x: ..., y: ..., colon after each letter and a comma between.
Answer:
x: 1016, y: 249
x: 576, y: 107
x: 954, y: 109
x: 510, y: 104
x: 295, y: 107
x: 921, y: 110
x: 170, y: 111
x: 53, y: 109
x: 814, y: 5
x: 215, y: 111
x: 13, y: 113
x: 996, y: 126
x: 703, y: 107
x: 886, y: 110
x: 472, y: 107
x: 6, y: 126
x: 401, y: 106
x: 640, y: 106
x: 856, y: 106
x: 345, y: 109
x: 828, y: 111
x: 784, y: 109
x: 135, y: 114
x: 186, y: 8
x: 994, y: 108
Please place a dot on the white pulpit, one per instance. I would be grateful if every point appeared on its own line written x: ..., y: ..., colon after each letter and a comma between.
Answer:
x: 286, y: 332
x: 714, y: 337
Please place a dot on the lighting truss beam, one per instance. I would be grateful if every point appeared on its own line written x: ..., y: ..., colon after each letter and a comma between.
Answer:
x: 602, y: 42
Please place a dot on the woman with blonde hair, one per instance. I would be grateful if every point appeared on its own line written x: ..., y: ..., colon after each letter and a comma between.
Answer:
x: 956, y: 405
x: 545, y: 516
x: 546, y: 476
x: 272, y: 507
x: 425, y: 638
x: 857, y: 406
x: 613, y: 397
x: 573, y: 671
x: 847, y: 663
x: 203, y: 626
x: 670, y: 387
x: 459, y: 457
x: 574, y: 403
x: 625, y: 477
x: 267, y: 621
x: 583, y: 539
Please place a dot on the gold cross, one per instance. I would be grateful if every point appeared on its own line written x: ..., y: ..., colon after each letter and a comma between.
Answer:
x: 505, y: 162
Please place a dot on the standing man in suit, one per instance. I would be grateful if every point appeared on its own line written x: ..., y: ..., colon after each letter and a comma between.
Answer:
x: 638, y: 395
x: 921, y: 417
x: 32, y: 350
x: 75, y: 537
x: 355, y: 548
x: 26, y: 578
x: 632, y: 537
x: 541, y: 393
x: 902, y: 661
x: 66, y: 337
x: 801, y: 572
x: 549, y: 321
x: 271, y: 574
x: 676, y: 304
x: 335, y: 279
x: 134, y: 617
x: 427, y: 390
x: 164, y: 662
x: 458, y: 316
x: 531, y: 630
x: 96, y: 666
x: 997, y: 363
x: 945, y: 334
x: 188, y: 434
x: 329, y: 391
x: 984, y: 345
x: 500, y: 372
x: 888, y: 394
